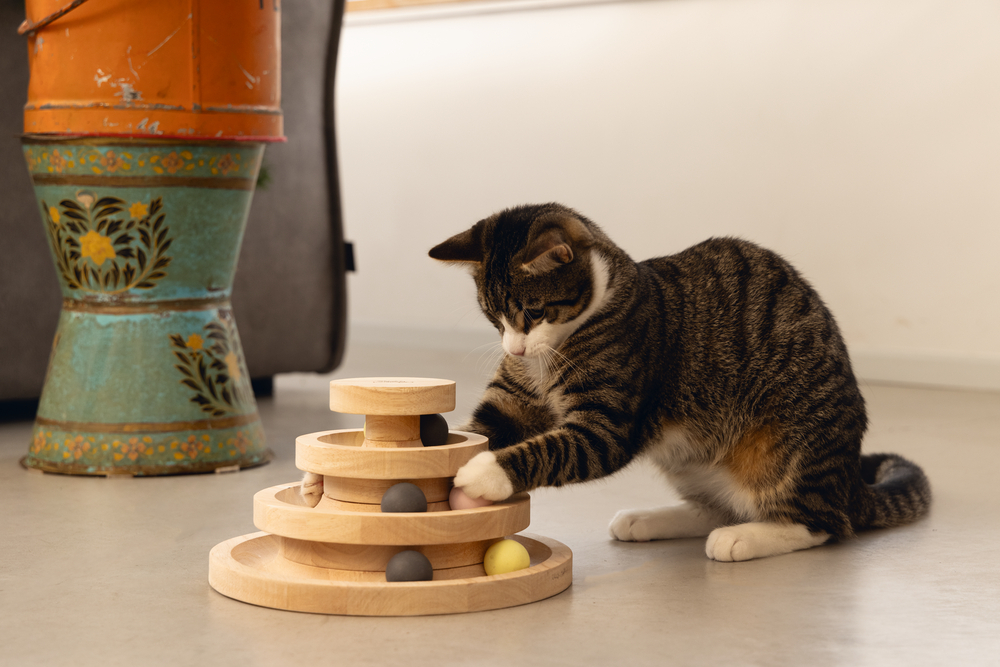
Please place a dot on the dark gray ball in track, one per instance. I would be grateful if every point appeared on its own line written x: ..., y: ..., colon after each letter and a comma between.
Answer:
x: 404, y: 497
x: 409, y: 566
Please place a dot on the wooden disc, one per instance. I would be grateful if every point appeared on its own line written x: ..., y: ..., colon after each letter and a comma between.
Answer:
x: 374, y: 558
x: 278, y: 510
x: 392, y: 396
x: 340, y: 454
x: 251, y: 569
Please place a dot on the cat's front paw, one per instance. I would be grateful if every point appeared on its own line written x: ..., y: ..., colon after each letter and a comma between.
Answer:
x: 311, y: 489
x: 482, y: 477
x: 631, y: 526
x: 759, y: 540
x: 662, y: 523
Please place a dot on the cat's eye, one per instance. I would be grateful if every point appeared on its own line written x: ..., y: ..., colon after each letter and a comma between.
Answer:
x: 535, y: 314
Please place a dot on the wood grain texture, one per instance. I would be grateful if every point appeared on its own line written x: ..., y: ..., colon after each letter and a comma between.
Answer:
x: 340, y: 454
x: 327, y: 503
x: 392, y: 431
x: 354, y: 490
x: 392, y: 396
x: 372, y: 558
x: 251, y: 569
x: 278, y: 510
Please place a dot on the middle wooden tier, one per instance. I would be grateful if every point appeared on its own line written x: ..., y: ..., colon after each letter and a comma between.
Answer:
x: 279, y: 510
x: 341, y: 454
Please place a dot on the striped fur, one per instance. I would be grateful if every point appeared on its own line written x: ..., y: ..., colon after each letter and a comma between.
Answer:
x: 720, y: 364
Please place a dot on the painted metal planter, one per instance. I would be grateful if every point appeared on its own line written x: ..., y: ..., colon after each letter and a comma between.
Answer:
x: 147, y: 375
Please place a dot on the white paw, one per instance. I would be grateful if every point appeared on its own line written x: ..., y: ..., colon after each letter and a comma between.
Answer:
x: 312, y: 488
x: 661, y: 523
x: 482, y: 477
x: 758, y: 540
x: 630, y: 526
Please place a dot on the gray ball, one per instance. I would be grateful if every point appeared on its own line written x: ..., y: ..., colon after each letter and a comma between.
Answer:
x: 433, y: 430
x: 409, y: 566
x: 404, y: 497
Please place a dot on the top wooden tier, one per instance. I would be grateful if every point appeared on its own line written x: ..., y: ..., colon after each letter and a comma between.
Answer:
x: 392, y: 396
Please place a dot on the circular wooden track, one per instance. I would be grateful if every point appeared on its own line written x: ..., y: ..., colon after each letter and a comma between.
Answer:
x: 251, y: 569
x: 340, y: 454
x: 277, y: 510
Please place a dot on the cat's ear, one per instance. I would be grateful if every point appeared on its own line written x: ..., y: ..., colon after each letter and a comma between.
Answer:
x: 554, y: 246
x: 465, y: 247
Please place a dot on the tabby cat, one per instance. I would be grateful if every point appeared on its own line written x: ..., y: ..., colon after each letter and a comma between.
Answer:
x: 720, y: 364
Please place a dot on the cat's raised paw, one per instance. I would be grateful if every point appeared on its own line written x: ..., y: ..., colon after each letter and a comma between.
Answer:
x: 482, y: 477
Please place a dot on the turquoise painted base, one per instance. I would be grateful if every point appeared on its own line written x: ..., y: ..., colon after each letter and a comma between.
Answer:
x: 147, y: 375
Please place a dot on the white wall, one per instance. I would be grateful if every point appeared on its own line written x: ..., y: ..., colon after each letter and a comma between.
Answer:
x: 859, y: 138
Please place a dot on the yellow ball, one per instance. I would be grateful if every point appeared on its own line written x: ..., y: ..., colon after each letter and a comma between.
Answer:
x: 506, y: 556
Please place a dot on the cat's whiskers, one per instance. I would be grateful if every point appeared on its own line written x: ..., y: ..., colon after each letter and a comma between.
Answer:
x: 487, y: 347
x: 559, y: 357
x: 489, y: 359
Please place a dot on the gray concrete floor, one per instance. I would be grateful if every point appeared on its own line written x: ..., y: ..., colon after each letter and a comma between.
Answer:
x: 108, y: 572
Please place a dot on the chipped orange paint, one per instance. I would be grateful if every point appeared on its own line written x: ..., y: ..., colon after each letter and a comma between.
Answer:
x: 186, y: 68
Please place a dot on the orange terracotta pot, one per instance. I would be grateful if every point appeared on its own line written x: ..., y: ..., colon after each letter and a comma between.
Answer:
x: 193, y: 69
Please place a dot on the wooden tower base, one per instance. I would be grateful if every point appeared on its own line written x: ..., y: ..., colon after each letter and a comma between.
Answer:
x: 331, y: 558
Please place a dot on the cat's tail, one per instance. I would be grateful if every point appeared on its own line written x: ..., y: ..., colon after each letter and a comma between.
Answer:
x: 897, y: 491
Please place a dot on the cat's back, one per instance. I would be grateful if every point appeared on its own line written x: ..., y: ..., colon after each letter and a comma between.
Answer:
x: 728, y: 275
x: 721, y: 257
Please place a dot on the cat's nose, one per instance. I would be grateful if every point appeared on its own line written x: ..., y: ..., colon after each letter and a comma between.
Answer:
x: 514, y: 345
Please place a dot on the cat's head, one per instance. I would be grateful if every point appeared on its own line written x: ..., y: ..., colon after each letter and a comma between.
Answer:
x: 537, y: 273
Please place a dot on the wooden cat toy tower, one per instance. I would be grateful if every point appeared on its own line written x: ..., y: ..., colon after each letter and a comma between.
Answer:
x: 331, y: 558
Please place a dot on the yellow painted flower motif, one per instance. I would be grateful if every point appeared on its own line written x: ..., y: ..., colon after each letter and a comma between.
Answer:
x: 76, y: 448
x: 56, y: 161
x: 131, y: 450
x: 111, y: 162
x: 227, y: 164
x: 195, y: 342
x: 97, y: 247
x: 192, y: 448
x: 37, y: 443
x: 54, y: 214
x: 138, y: 210
x: 233, y: 363
x: 172, y: 162
x: 240, y: 442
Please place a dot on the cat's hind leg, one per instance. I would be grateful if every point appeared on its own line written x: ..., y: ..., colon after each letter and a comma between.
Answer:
x: 662, y: 523
x: 758, y: 540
